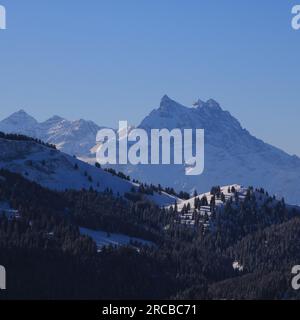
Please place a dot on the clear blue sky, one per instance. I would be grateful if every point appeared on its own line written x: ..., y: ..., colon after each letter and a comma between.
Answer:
x: 111, y: 60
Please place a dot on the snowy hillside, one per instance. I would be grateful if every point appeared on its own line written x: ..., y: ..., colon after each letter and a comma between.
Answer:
x: 59, y: 171
x: 201, y: 209
x: 191, y: 202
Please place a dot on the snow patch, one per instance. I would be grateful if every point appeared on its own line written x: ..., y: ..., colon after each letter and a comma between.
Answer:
x: 104, y: 239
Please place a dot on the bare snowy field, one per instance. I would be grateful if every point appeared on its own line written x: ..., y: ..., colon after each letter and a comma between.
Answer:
x: 104, y: 239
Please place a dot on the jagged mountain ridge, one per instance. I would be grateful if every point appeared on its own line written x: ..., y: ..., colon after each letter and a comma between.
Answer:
x: 73, y: 137
x: 232, y: 154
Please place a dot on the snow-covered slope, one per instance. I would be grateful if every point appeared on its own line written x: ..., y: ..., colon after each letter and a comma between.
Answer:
x: 59, y: 171
x: 72, y: 137
x: 203, y: 208
x: 104, y: 239
x: 232, y: 154
x: 191, y: 202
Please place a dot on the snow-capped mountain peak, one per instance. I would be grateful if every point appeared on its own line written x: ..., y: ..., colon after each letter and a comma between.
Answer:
x: 55, y: 119
x: 19, y: 122
x: 165, y: 99
x: 211, y: 103
x: 232, y: 154
x: 199, y: 103
x: 167, y: 104
x: 20, y: 118
x: 73, y: 137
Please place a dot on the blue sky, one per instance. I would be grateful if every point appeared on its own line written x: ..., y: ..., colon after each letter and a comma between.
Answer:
x: 112, y: 60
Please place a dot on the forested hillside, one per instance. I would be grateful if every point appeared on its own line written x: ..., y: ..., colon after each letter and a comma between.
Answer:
x: 247, y: 250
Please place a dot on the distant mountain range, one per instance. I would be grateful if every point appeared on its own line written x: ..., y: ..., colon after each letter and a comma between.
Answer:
x: 232, y: 154
x: 72, y: 137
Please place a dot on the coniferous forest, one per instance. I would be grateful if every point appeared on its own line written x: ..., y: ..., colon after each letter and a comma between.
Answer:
x: 46, y: 257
